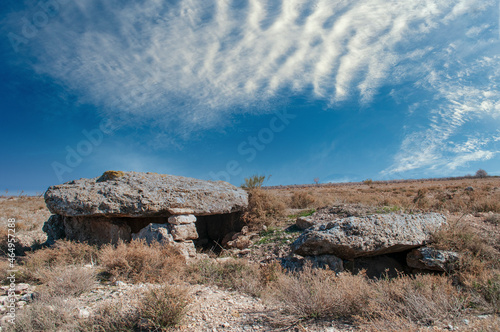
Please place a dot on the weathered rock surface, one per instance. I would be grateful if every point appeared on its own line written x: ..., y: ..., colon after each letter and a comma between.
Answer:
x: 373, y: 235
x: 162, y: 233
x: 184, y: 232
x: 305, y: 222
x: 133, y: 194
x: 98, y: 230
x: 54, y: 227
x: 331, y: 213
x: 154, y: 232
x: 182, y: 220
x: 426, y: 258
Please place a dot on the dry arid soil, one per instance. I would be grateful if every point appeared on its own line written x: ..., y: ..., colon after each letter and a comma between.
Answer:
x: 135, y: 287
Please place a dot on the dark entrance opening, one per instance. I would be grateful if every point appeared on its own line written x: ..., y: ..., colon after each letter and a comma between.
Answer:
x: 212, y: 229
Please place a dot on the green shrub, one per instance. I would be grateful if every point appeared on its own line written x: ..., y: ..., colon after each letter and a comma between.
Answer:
x: 255, y: 181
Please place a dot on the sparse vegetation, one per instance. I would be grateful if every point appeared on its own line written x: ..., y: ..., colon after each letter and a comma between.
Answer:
x: 140, y: 262
x: 305, y: 213
x: 264, y: 208
x: 302, y: 200
x: 45, y: 315
x: 68, y: 281
x: 255, y: 181
x: 368, y: 182
x: 233, y: 274
x: 164, y: 307
x: 318, y: 293
x: 404, y: 303
x: 481, y: 173
x: 113, y: 317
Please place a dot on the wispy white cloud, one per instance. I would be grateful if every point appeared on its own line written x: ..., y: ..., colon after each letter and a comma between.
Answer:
x: 191, y: 64
x: 465, y: 99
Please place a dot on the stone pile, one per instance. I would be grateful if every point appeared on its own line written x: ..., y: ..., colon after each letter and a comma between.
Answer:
x: 121, y: 206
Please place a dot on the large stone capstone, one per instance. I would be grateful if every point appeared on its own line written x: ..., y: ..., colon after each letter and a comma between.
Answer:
x: 120, y: 206
x: 134, y: 194
x: 373, y: 235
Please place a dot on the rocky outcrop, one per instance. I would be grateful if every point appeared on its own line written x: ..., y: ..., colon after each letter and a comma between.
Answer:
x: 120, y: 206
x: 426, y: 258
x: 373, y: 235
x: 133, y: 194
x: 327, y: 214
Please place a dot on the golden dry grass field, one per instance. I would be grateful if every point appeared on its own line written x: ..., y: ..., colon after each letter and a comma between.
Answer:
x: 249, y: 290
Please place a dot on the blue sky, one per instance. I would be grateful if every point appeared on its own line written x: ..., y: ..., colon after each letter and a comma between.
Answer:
x: 338, y: 90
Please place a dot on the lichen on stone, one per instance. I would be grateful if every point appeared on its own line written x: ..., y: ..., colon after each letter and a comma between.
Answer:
x: 110, y: 175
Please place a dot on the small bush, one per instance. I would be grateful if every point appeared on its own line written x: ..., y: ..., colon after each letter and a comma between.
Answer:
x: 255, y: 181
x: 368, y: 182
x: 68, y: 281
x: 302, y: 200
x: 140, y: 262
x: 63, y: 253
x: 422, y: 300
x: 477, y: 254
x: 317, y: 293
x: 263, y: 209
x: 488, y: 285
x: 233, y: 274
x: 421, y: 200
x: 113, y: 317
x: 481, y: 173
x: 164, y: 307
x: 46, y: 314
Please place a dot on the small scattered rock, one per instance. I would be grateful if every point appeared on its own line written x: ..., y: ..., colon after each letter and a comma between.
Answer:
x: 305, y: 222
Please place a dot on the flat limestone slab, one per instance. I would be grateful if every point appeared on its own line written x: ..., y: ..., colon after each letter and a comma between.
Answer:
x: 373, y: 235
x: 135, y: 194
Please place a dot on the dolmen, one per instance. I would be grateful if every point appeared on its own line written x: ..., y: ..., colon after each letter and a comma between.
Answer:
x: 373, y: 242
x: 121, y: 206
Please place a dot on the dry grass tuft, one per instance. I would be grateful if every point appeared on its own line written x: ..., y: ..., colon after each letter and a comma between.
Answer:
x: 235, y: 274
x: 46, y: 314
x: 68, y: 281
x: 302, y: 200
x: 164, y: 307
x: 113, y: 317
x: 139, y: 262
x: 478, y: 254
x: 422, y: 300
x: 319, y: 293
x: 264, y: 208
x: 63, y: 253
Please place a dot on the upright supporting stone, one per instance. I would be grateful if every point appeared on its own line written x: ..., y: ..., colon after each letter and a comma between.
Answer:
x: 185, y: 248
x: 182, y: 219
x: 183, y: 227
